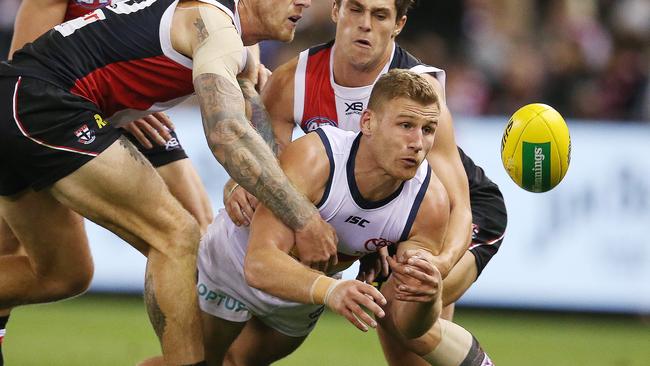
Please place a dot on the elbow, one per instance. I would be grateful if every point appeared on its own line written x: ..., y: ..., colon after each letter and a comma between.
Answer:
x: 225, y: 132
x: 413, y: 333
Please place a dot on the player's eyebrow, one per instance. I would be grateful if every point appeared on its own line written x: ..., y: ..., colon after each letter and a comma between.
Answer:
x: 372, y: 8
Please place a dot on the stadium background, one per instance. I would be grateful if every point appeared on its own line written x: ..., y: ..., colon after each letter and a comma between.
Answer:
x: 571, y: 285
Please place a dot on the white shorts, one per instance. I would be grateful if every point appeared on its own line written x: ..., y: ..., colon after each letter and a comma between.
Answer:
x: 224, y: 293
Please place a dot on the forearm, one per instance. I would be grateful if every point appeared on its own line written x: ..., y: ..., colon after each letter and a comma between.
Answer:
x: 413, y: 319
x: 275, y: 272
x: 243, y: 153
x: 259, y: 116
x: 458, y: 235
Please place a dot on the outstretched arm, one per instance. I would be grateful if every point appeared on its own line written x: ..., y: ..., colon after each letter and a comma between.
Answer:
x: 445, y: 162
x: 276, y: 125
x: 414, y: 288
x: 217, y: 53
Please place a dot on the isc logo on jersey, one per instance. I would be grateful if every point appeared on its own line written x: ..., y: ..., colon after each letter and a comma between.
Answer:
x: 536, y: 147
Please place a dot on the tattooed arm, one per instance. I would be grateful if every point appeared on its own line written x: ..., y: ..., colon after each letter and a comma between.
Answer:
x: 239, y: 203
x: 236, y: 144
x: 259, y: 116
x: 243, y: 152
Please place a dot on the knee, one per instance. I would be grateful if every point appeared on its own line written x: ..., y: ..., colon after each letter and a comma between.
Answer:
x: 66, y: 284
x: 181, y: 239
x: 204, y: 218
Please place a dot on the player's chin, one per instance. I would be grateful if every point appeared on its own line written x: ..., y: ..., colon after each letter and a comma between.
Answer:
x: 405, y: 173
x: 286, y: 35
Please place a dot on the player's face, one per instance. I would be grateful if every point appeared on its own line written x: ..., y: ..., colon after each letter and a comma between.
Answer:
x: 402, y: 135
x: 365, y: 30
x: 278, y: 18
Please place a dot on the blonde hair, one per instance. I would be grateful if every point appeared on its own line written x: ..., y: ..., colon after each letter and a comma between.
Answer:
x: 399, y: 83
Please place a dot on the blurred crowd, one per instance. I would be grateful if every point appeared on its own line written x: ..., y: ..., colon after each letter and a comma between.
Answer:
x: 590, y: 59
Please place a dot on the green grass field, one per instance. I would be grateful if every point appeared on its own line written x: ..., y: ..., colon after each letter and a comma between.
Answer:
x: 102, y: 330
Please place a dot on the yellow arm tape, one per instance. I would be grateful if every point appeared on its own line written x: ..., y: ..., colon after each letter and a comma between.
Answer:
x: 321, y: 288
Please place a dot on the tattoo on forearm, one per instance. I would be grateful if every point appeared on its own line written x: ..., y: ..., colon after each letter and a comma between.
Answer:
x: 133, y: 151
x: 259, y: 117
x: 202, y: 32
x: 243, y: 153
x: 156, y: 316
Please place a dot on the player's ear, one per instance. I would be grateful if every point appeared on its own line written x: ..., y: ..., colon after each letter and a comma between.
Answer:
x: 367, y: 119
x: 335, y: 12
x: 399, y: 25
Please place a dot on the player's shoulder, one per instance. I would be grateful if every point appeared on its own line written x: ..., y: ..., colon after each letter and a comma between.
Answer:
x: 304, y: 149
x: 279, y: 90
x: 307, y: 163
x: 435, y: 83
x: 284, y: 74
x: 402, y: 59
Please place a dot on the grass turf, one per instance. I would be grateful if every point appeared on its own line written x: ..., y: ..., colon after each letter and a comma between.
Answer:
x: 105, y: 330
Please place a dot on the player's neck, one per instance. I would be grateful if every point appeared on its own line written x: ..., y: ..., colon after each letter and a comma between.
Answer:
x: 250, y: 27
x: 373, y: 182
x: 350, y: 74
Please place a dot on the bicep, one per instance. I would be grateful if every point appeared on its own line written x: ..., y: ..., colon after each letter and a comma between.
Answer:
x: 34, y: 18
x: 269, y: 231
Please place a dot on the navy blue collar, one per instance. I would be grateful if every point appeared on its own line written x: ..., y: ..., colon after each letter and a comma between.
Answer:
x: 352, y: 182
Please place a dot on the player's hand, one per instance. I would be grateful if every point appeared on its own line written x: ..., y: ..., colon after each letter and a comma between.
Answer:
x: 154, y: 127
x: 350, y: 297
x: 441, y: 262
x: 372, y: 265
x: 416, y: 278
x: 250, y: 73
x: 316, y: 244
x: 263, y: 75
x: 240, y: 205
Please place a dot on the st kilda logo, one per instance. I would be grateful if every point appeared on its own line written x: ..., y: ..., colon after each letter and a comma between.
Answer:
x: 373, y: 245
x: 93, y: 4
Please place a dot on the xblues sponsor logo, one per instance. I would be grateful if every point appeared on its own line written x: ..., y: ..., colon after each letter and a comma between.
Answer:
x: 93, y: 4
x: 316, y: 122
x: 353, y: 108
x: 85, y: 135
x: 172, y: 144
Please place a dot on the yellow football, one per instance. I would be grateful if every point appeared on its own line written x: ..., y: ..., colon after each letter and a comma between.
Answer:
x: 536, y: 147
